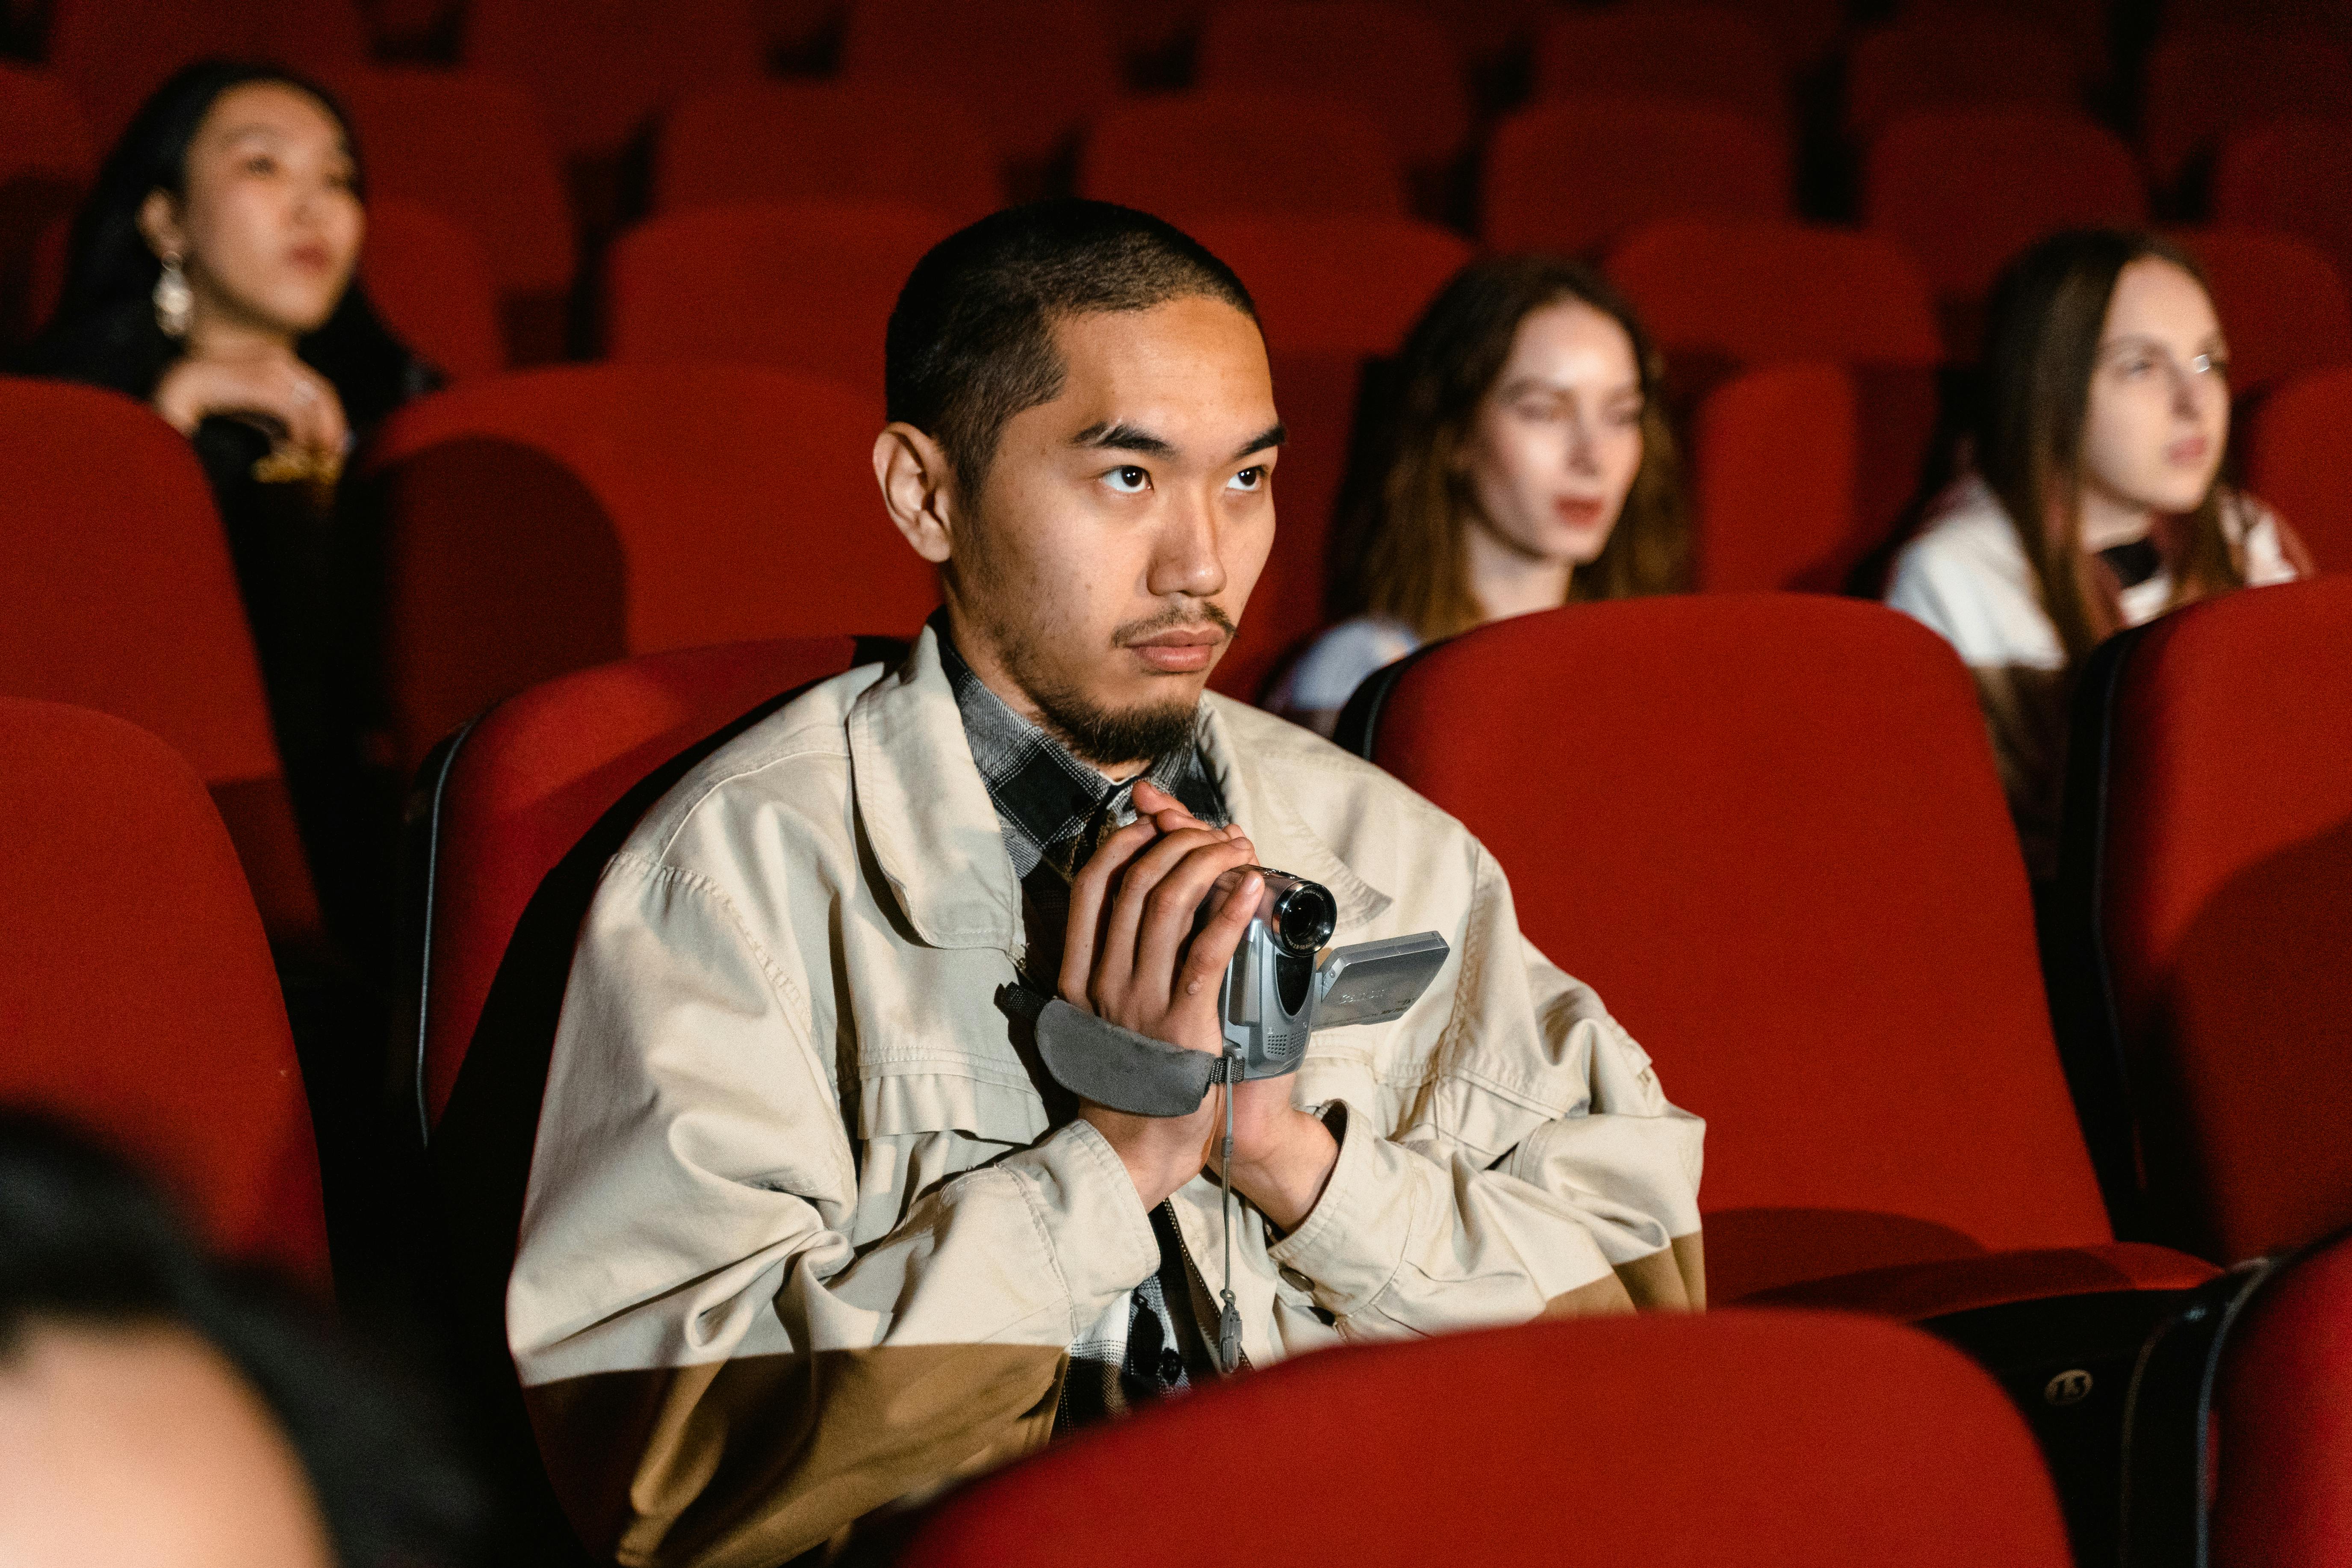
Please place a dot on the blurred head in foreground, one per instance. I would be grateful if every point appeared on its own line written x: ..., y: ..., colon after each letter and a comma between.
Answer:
x: 156, y: 1409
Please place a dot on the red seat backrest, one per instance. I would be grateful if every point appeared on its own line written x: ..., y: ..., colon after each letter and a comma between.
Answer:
x: 1774, y: 465
x: 1768, y: 830
x: 1953, y: 58
x: 2205, y: 79
x: 431, y: 282
x: 1396, y: 61
x: 1237, y: 151
x: 1571, y: 173
x: 805, y: 140
x: 113, y: 53
x: 46, y: 159
x: 475, y: 149
x: 599, y: 73
x: 2287, y: 175
x: 1335, y: 284
x: 1031, y: 72
x: 2281, y: 302
x: 1754, y: 1439
x: 1966, y: 189
x: 1759, y: 290
x: 2298, y: 448
x: 2225, y: 857
x: 806, y: 286
x: 2284, y: 1492
x: 136, y: 982
x: 1704, y: 53
x: 547, y: 520
x: 116, y: 593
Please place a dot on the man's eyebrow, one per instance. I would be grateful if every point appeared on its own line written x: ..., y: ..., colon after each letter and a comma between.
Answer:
x: 1272, y: 436
x: 1123, y: 437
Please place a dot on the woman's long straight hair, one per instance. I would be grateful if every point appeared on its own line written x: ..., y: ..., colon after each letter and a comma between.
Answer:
x: 1405, y: 512
x: 2047, y: 313
x: 104, y: 329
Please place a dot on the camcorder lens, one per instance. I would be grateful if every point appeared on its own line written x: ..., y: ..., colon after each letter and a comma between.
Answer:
x: 1305, y: 916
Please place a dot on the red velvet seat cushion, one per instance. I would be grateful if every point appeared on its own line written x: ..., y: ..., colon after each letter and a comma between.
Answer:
x: 1737, y: 1441
x: 2285, y: 1403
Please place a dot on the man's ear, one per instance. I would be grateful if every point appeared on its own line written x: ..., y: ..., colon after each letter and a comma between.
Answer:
x: 158, y: 223
x: 918, y: 487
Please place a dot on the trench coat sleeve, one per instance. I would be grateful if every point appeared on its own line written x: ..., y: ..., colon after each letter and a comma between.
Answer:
x: 1543, y: 1158
x: 717, y: 1377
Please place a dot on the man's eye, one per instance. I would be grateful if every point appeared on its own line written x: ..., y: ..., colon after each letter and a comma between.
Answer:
x: 1128, y: 481
x: 1250, y: 478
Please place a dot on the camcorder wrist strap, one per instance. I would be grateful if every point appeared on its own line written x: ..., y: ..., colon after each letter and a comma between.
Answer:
x: 1229, y: 1321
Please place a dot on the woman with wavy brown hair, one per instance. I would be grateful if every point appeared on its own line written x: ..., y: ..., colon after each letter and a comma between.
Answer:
x: 1526, y: 464
x: 2095, y: 501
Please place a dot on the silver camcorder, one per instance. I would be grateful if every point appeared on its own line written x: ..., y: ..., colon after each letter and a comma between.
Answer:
x: 1283, y: 986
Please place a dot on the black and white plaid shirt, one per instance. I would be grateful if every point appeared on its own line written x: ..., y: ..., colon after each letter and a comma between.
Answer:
x: 1054, y: 809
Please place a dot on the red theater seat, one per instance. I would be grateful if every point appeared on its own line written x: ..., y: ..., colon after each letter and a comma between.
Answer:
x: 1395, y: 61
x: 1772, y: 839
x: 1964, y: 190
x: 1754, y: 1440
x: 2298, y: 447
x: 473, y: 149
x: 2204, y: 80
x: 1573, y: 174
x: 431, y: 282
x: 600, y: 73
x: 2281, y: 302
x: 816, y: 142
x: 2285, y: 1405
x: 1031, y: 72
x: 1950, y: 58
x: 113, y: 53
x: 807, y: 288
x: 2290, y: 176
x: 116, y: 593
x: 1704, y: 53
x: 1338, y: 283
x: 2206, y: 853
x: 1213, y: 153
x: 1774, y: 463
x: 547, y: 521
x: 136, y: 983
x: 46, y: 159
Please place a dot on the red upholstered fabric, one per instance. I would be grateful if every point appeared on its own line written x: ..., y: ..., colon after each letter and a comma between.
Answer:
x: 46, y: 159
x: 1242, y: 152
x: 114, y: 53
x: 599, y: 72
x: 2298, y: 447
x: 807, y: 286
x: 1759, y: 290
x: 475, y: 149
x: 537, y: 773
x: 2287, y: 175
x: 2285, y: 1404
x: 1572, y: 174
x: 1953, y: 58
x: 2228, y: 854
x: 1394, y: 60
x: 1740, y: 1441
x: 1939, y: 1287
x: 1767, y: 829
x: 1338, y: 283
x: 1701, y: 54
x: 2281, y: 302
x: 431, y: 282
x: 1773, y: 454
x: 116, y: 593
x: 1966, y: 189
x: 551, y: 520
x: 2205, y: 79
x: 1032, y: 71
x: 804, y: 141
x: 136, y: 986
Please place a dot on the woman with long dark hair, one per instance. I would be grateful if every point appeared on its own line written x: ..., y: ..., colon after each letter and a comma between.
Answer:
x: 211, y: 275
x: 2096, y: 499
x: 1526, y: 464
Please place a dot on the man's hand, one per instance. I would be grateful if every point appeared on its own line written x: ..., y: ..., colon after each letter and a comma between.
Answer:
x: 1131, y: 957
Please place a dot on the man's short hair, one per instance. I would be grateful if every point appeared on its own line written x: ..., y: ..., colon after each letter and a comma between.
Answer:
x: 970, y: 343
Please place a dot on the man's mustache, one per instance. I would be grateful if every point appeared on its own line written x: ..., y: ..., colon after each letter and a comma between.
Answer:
x: 1176, y: 618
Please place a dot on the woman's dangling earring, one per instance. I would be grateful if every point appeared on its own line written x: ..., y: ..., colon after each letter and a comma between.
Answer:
x: 175, y: 302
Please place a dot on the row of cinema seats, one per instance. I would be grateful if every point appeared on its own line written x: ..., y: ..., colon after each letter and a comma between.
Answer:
x: 1853, y: 1004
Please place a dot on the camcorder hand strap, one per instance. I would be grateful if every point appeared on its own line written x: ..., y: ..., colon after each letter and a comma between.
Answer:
x: 1097, y: 1061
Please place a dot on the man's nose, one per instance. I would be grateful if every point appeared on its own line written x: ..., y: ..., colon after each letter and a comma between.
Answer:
x: 1188, y: 556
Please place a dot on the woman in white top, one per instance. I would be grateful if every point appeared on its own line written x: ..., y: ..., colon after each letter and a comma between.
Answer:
x: 1526, y: 464
x: 2094, y: 503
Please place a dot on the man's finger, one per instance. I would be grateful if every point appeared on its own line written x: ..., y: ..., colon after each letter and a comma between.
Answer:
x: 1090, y: 907
x: 1213, y: 948
x: 1120, y: 930
x: 1171, y: 909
